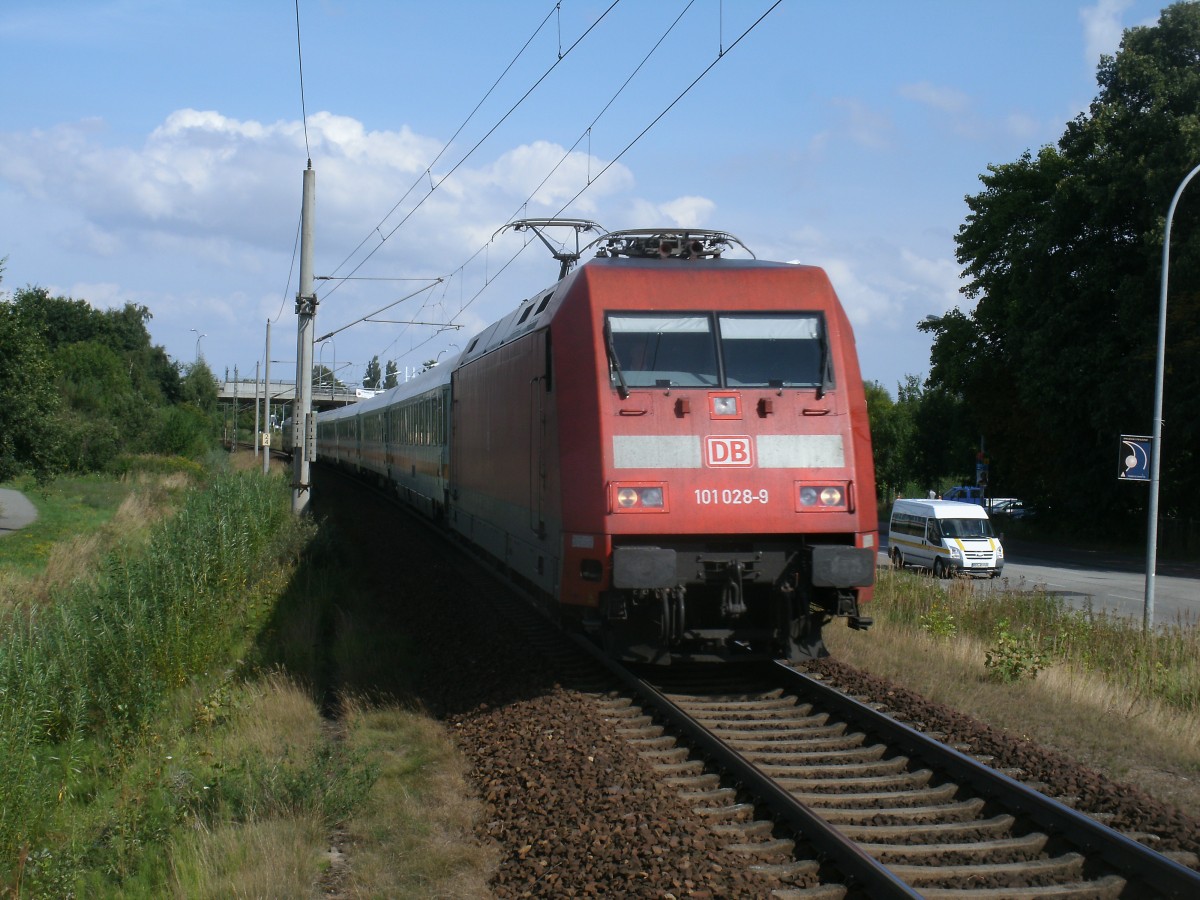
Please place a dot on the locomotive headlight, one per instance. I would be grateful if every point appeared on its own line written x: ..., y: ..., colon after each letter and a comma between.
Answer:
x: 724, y: 405
x: 652, y: 496
x: 831, y: 496
x: 639, y: 497
x: 823, y: 497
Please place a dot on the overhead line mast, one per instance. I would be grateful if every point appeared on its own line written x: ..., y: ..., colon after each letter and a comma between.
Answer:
x: 304, y: 443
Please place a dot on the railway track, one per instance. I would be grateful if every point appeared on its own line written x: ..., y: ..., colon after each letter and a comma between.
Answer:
x: 826, y: 796
x: 822, y: 796
x: 843, y: 800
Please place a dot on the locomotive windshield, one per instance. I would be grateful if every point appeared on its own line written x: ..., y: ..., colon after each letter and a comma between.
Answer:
x: 678, y: 349
x: 721, y: 350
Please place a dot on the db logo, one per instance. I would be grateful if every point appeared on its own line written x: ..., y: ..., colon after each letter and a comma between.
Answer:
x: 728, y: 451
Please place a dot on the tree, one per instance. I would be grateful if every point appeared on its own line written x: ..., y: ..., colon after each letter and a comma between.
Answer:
x: 391, y: 380
x: 113, y: 391
x: 921, y: 440
x: 30, y: 437
x: 323, y: 378
x: 373, y: 375
x: 891, y: 440
x: 199, y: 387
x: 1062, y: 249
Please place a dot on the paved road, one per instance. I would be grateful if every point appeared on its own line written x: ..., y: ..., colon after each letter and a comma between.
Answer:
x: 15, y: 511
x: 1110, y: 582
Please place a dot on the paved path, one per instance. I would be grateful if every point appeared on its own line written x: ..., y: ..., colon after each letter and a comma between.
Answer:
x: 15, y: 511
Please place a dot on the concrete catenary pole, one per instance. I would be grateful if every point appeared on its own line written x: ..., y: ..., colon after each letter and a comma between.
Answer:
x: 267, y: 404
x: 256, y: 428
x: 303, y: 438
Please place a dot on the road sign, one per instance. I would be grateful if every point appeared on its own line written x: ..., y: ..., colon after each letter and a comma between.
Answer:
x: 1134, y: 463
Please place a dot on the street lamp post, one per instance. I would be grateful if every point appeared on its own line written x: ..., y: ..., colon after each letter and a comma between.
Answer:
x: 1156, y: 438
x: 198, y: 337
x: 321, y: 363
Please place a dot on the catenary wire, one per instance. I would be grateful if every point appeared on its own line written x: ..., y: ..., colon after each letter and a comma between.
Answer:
x: 720, y: 55
x: 291, y: 269
x: 681, y: 95
x: 477, y: 145
x: 567, y: 154
x: 446, y: 146
x: 620, y: 90
x: 303, y: 109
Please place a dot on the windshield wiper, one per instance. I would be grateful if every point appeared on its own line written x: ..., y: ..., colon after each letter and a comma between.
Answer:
x: 823, y: 372
x: 614, y: 362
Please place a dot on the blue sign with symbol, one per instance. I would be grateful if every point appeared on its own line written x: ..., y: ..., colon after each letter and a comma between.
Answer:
x: 1135, y: 458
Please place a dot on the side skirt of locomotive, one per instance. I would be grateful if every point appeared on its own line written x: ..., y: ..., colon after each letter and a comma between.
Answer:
x: 703, y: 602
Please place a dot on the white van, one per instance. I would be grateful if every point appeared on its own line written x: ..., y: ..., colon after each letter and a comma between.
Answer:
x: 946, y: 536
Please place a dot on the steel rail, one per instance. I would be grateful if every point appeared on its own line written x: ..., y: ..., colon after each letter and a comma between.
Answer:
x: 859, y: 869
x: 1123, y: 854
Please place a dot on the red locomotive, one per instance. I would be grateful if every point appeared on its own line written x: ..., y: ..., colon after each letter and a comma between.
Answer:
x: 669, y: 447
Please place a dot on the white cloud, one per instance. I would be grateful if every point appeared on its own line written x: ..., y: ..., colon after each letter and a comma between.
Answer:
x: 199, y: 222
x: 1025, y: 127
x: 231, y: 188
x: 682, y: 212
x: 1102, y: 28
x: 99, y: 294
x: 865, y: 302
x: 856, y: 122
x: 521, y: 173
x: 943, y: 99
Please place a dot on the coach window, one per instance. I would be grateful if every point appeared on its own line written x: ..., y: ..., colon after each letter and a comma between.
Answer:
x: 766, y: 350
x: 653, y: 349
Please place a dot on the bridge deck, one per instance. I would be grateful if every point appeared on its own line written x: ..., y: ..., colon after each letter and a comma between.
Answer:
x: 285, y: 392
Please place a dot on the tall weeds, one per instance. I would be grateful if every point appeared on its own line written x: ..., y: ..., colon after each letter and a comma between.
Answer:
x: 94, y: 668
x: 1162, y: 665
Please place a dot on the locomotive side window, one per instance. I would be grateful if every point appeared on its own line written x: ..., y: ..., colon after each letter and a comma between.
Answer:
x: 655, y: 348
x: 768, y: 350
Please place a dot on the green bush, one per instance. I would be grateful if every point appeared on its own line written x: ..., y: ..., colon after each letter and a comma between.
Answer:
x: 1014, y: 655
x: 939, y: 622
x: 184, y: 431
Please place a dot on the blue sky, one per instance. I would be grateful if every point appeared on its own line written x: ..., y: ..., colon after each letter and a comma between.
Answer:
x: 152, y: 151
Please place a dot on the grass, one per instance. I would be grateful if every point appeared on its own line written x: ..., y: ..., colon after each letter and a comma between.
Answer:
x: 1162, y: 665
x: 264, y: 791
x: 67, y: 507
x: 166, y: 729
x: 1118, y: 700
x: 414, y: 837
x: 88, y: 678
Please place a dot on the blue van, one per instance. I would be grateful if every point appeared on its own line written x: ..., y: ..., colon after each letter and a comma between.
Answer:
x: 965, y: 493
